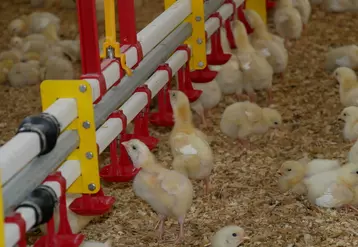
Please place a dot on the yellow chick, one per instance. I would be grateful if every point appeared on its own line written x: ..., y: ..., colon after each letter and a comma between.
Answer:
x: 192, y: 153
x: 292, y: 173
x: 350, y: 117
x: 340, y: 5
x: 242, y: 119
x: 229, y: 236
x: 348, y: 86
x: 108, y: 243
x: 333, y: 189
x: 287, y: 20
x: 71, y: 48
x: 168, y: 192
x: 58, y: 68
x: 77, y: 222
x: 304, y: 8
x: 257, y: 72
x: 23, y: 74
x: 353, y: 154
x: 36, y: 22
x: 265, y: 42
x: 344, y: 56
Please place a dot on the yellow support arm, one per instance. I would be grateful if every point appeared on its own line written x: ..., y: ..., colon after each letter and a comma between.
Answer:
x: 259, y: 6
x: 197, y: 41
x: 111, y: 36
x: 2, y: 218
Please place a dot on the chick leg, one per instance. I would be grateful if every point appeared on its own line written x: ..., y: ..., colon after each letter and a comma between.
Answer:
x: 353, y: 208
x: 181, y: 231
x: 252, y: 97
x: 206, y: 185
x: 162, y: 219
x: 245, y: 143
x: 242, y: 97
x: 269, y: 96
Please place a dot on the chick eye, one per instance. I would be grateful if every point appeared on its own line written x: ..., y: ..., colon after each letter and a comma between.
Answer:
x: 344, y: 114
x: 356, y: 172
x: 289, y: 169
x: 276, y: 123
x: 173, y: 94
x: 134, y: 147
x: 234, y: 234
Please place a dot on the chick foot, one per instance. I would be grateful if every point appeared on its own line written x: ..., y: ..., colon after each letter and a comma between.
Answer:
x: 162, y: 219
x: 206, y: 185
x: 244, y: 143
x: 252, y: 97
x: 242, y: 97
x: 180, y: 237
x: 269, y: 97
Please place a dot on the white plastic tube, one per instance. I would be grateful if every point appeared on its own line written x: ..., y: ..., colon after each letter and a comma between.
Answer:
x: 70, y: 170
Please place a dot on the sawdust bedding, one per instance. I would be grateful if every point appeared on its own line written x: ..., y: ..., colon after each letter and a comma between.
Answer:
x: 244, y: 183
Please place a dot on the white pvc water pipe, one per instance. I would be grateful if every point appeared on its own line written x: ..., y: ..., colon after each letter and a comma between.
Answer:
x: 70, y: 170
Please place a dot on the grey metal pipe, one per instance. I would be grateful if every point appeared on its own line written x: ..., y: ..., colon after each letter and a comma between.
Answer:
x: 16, y: 190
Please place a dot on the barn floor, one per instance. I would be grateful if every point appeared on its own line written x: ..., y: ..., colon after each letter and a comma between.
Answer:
x: 244, y: 183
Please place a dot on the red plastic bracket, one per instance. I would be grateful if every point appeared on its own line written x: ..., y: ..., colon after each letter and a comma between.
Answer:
x: 229, y: 32
x: 184, y: 80
x: 20, y: 222
x: 217, y: 55
x: 64, y: 236
x: 203, y: 76
x: 164, y: 116
x: 270, y: 4
x: 139, y: 49
x: 102, y: 84
x: 242, y: 18
x: 141, y: 127
x: 121, y: 168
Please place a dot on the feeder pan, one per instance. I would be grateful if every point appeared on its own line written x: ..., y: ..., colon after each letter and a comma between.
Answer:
x: 112, y: 173
x: 68, y: 240
x: 192, y: 94
x: 202, y: 76
x: 218, y: 59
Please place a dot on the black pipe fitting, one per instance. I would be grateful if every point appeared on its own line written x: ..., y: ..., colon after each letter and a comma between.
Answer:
x: 46, y: 126
x: 43, y: 201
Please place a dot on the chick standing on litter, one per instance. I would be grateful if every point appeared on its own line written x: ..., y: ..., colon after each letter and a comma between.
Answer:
x: 350, y: 117
x: 257, y: 72
x: 348, y: 86
x: 304, y: 8
x: 193, y: 156
x: 229, y: 236
x: 292, y: 173
x: 24, y: 74
x: 36, y: 22
x: 168, y: 192
x: 334, y: 188
x: 272, y: 45
x: 242, y: 119
x: 287, y: 20
x: 344, y: 56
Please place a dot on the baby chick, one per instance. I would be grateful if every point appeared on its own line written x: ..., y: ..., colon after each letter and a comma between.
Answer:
x: 192, y: 153
x: 13, y: 55
x: 287, y: 20
x: 22, y: 74
x: 242, y: 119
x: 348, y: 86
x: 168, y: 192
x: 58, y: 68
x: 36, y: 22
x: 353, y: 153
x: 71, y: 49
x: 229, y: 236
x: 257, y: 72
x: 293, y: 172
x: 344, y: 56
x: 304, y: 8
x: 333, y: 189
x: 262, y: 40
x: 350, y: 117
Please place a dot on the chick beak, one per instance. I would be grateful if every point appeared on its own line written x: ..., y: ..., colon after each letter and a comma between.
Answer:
x: 279, y: 172
x: 246, y: 238
x: 125, y: 144
x: 340, y: 119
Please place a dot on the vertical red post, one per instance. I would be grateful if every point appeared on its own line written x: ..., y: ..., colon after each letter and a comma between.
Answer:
x: 126, y: 18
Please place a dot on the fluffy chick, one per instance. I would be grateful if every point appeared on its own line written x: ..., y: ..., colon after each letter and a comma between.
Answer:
x: 77, y: 222
x: 168, y: 192
x: 353, y: 154
x: 71, y: 49
x: 192, y: 153
x: 23, y: 74
x: 242, y: 119
x: 13, y: 55
x: 58, y: 68
x: 229, y: 236
x: 292, y: 173
x: 257, y: 72
x: 334, y: 188
x: 287, y: 20
x: 36, y: 22
x: 348, y: 86
x: 262, y: 40
x: 304, y: 8
x: 350, y: 117
x: 344, y: 56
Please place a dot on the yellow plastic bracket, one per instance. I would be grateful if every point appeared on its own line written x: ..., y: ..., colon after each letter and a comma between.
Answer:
x: 2, y: 218
x: 197, y: 41
x: 259, y: 6
x: 111, y: 36
x: 86, y: 153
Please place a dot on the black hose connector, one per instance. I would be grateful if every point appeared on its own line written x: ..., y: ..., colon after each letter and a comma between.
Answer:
x: 46, y: 126
x: 43, y: 201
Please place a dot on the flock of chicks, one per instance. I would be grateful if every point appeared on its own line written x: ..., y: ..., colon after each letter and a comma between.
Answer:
x: 259, y: 56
